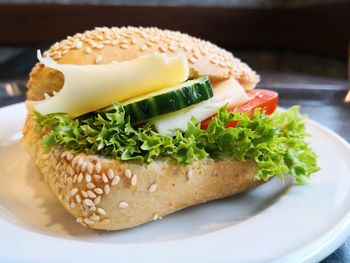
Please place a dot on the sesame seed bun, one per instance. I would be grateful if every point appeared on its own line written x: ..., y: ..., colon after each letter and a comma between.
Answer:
x: 104, y: 45
x: 108, y: 194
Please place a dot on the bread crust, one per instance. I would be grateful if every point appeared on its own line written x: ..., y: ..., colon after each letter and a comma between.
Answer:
x: 101, y: 194
x: 104, y: 45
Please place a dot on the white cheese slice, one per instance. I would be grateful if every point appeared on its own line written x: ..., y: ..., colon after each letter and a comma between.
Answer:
x: 226, y: 92
x: 91, y: 87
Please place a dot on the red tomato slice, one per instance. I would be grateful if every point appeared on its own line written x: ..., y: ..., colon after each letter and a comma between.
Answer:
x: 261, y: 98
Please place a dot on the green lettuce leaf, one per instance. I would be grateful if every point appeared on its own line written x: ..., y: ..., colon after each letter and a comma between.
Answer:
x: 276, y: 143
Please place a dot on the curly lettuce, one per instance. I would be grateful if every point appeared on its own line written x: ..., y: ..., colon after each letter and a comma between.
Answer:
x: 276, y: 142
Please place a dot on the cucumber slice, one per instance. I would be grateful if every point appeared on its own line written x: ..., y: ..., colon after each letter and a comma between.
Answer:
x: 169, y: 99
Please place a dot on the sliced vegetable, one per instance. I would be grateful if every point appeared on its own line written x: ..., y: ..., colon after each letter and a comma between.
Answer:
x: 169, y: 99
x: 276, y: 142
x: 226, y: 92
x: 260, y: 98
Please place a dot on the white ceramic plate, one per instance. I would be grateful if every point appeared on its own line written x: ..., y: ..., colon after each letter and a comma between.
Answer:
x: 274, y: 222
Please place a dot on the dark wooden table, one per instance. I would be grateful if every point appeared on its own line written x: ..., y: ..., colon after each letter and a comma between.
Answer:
x: 321, y: 98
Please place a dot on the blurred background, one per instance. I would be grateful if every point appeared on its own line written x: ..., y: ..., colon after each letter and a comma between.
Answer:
x: 299, y: 47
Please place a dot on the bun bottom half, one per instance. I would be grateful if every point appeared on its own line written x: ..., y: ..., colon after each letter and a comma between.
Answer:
x: 108, y: 194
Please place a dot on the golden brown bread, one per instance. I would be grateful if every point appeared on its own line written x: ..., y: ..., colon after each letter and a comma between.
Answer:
x: 107, y: 194
x: 104, y: 45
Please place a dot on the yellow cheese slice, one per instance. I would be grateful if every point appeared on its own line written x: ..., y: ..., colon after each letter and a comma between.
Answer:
x: 91, y: 87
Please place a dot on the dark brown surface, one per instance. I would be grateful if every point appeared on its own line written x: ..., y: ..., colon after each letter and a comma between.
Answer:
x: 323, y: 29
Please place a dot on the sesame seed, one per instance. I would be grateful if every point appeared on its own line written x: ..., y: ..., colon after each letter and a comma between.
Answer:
x: 114, y: 42
x: 98, y: 59
x: 189, y: 174
x: 74, y: 191
x: 202, y: 51
x: 69, y: 156
x: 196, y: 55
x: 95, y: 217
x: 98, y: 190
x: 84, y: 193
x: 110, y: 173
x: 80, y: 177
x: 144, y: 35
x: 97, y: 200
x: 88, y: 178
x: 83, y: 166
x: 72, y: 204
x: 78, y: 198
x: 55, y: 46
x: 133, y: 41
x: 123, y: 205
x: 46, y: 156
x: 192, y: 60
x: 154, y: 39
x: 90, y: 209
x: 88, y: 221
x: 78, y: 44
x: 75, y: 160
x: 69, y: 180
x: 99, y: 46
x: 92, y: 43
x: 80, y: 161
x: 152, y: 188
x: 97, y: 177
x: 172, y: 48
x: 104, y: 178
x: 143, y: 47
x: 90, y: 167
x: 107, y: 189
x: 88, y: 50
x: 101, y: 211
x: 134, y: 180
x: 128, y: 173
x: 79, y: 219
x: 124, y: 46
x: 98, y: 167
x: 64, y: 154
x: 221, y: 64
x: 116, y: 180
x: 105, y: 221
x: 75, y: 178
x: 148, y: 44
x: 91, y: 194
x: 162, y: 49
x: 57, y: 56
x: 155, y: 216
x: 70, y: 171
x: 88, y: 202
x: 90, y: 185
x: 213, y: 61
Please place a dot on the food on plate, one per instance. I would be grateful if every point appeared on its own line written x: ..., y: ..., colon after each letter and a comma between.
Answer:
x: 130, y: 124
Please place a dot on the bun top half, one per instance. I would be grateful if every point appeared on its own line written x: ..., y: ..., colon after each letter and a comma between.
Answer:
x: 104, y: 45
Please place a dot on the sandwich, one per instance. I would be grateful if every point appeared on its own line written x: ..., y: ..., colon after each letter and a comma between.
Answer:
x: 130, y: 124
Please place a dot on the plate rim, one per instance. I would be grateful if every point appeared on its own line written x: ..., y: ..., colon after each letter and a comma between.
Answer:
x: 327, y: 243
